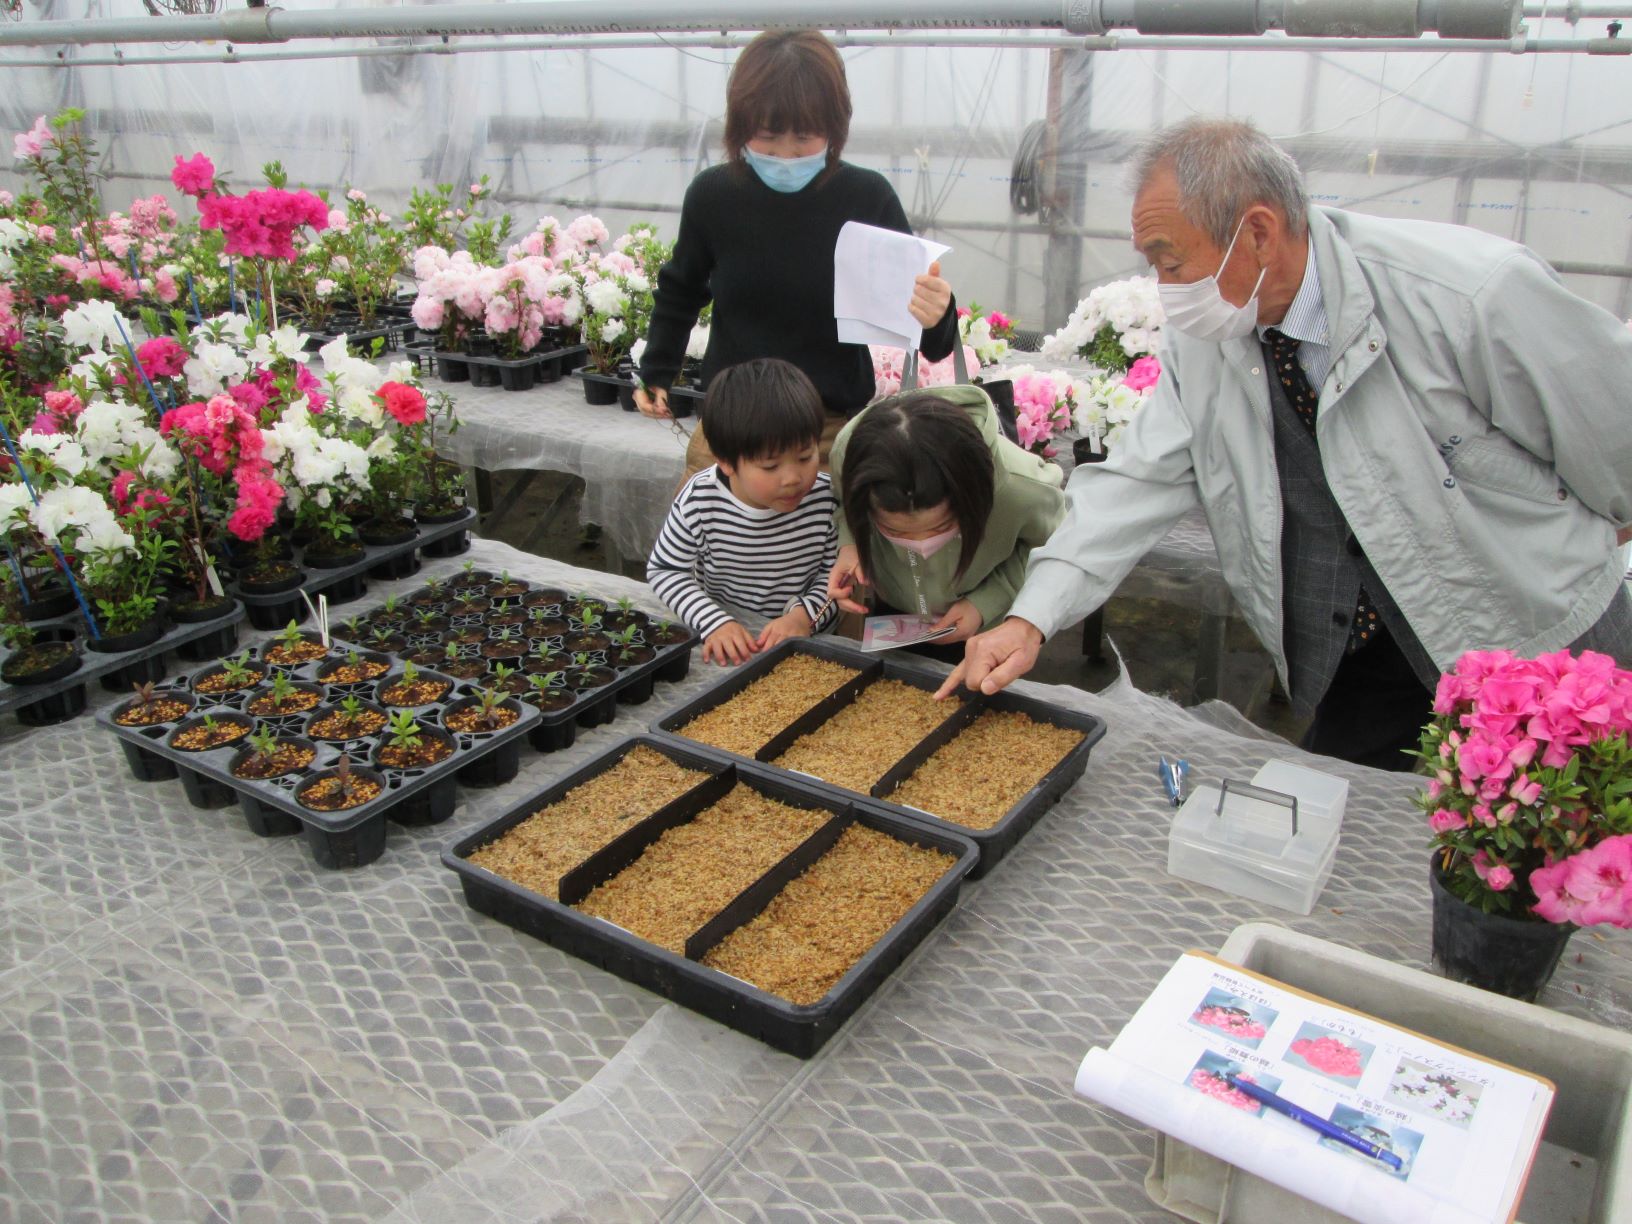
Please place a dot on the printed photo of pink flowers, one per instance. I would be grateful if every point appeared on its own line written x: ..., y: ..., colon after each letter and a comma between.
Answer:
x: 1241, y: 1021
x: 1386, y: 1135
x: 1211, y: 1077
x: 1322, y: 1051
x: 1436, y: 1093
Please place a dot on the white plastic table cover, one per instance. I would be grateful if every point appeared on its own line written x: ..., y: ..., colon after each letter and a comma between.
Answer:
x: 197, y: 1024
x: 631, y: 465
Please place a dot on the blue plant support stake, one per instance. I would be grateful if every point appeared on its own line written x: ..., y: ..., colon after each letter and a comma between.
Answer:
x: 62, y: 561
x: 22, y: 586
x: 192, y: 292
x: 146, y: 382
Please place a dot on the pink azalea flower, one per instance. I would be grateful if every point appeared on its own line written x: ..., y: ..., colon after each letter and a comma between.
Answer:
x: 1143, y: 373
x: 31, y: 143
x: 195, y: 176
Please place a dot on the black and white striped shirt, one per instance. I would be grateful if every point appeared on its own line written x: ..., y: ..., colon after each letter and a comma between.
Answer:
x: 714, y: 547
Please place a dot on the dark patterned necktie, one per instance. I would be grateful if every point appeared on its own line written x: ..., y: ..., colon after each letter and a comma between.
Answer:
x: 1304, y: 399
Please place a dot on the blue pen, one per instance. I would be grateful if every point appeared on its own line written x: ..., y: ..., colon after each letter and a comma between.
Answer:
x: 1173, y: 773
x: 1314, y: 1121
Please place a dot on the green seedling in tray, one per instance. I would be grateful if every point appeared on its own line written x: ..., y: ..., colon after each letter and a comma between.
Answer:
x: 402, y: 731
x: 237, y: 670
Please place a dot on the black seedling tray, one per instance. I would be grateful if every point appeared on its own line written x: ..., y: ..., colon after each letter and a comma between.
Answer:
x: 794, y: 1029
x: 683, y: 401
x: 351, y: 838
x: 512, y: 373
x: 346, y: 582
x: 119, y: 669
x: 994, y: 842
x: 632, y: 685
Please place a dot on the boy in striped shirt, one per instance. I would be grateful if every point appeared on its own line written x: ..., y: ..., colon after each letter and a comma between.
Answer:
x: 755, y: 532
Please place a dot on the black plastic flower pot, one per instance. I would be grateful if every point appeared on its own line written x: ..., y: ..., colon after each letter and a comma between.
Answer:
x: 598, y: 712
x: 553, y: 738
x: 276, y: 615
x: 43, y: 663
x: 54, y: 601
x: 49, y: 711
x: 141, y: 671
x: 626, y: 398
x: 387, y: 533
x: 352, y: 586
x: 354, y: 847
x: 119, y: 643
x: 600, y: 393
x: 493, y: 768
x: 331, y: 557
x: 451, y: 369
x: 146, y: 766
x: 675, y: 669
x: 447, y: 546
x: 211, y: 646
x: 639, y: 690
x: 430, y: 806
x: 404, y: 565
x: 206, y: 793
x: 483, y: 375
x: 1510, y: 956
x: 267, y: 821
x: 523, y: 376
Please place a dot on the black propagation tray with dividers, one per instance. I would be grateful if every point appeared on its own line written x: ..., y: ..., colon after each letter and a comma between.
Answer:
x: 795, y: 1029
x: 557, y: 728
x: 350, y: 838
x: 993, y: 842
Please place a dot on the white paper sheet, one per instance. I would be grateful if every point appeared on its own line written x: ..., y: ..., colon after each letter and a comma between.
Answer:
x: 873, y: 274
x: 1464, y: 1127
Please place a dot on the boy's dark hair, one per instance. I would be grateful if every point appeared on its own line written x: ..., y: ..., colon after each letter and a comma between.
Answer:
x: 788, y: 81
x: 761, y: 408
x: 913, y: 452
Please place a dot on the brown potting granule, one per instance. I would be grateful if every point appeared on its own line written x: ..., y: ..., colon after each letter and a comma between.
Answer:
x: 748, y: 721
x: 693, y: 871
x: 552, y: 841
x: 857, y: 746
x: 828, y: 918
x: 976, y: 778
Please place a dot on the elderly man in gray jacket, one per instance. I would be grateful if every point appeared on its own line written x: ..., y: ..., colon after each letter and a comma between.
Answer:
x: 1409, y: 441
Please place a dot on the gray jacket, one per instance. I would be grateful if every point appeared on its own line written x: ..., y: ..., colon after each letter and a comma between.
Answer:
x: 1475, y: 428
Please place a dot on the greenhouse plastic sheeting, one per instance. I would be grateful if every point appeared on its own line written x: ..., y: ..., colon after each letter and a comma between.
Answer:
x: 195, y: 1023
x: 1531, y: 147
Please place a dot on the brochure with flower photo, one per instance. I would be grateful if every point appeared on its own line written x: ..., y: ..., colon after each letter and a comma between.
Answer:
x: 1370, y: 1120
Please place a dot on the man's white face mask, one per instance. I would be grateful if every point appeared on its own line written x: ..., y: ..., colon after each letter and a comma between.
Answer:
x: 1200, y: 310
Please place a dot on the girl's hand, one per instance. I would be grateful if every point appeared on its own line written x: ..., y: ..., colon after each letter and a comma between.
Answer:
x: 729, y: 644
x: 845, y: 577
x: 653, y: 403
x: 930, y: 297
x: 965, y: 619
x: 789, y: 625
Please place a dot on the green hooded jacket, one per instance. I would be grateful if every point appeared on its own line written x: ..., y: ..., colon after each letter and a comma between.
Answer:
x: 1026, y: 507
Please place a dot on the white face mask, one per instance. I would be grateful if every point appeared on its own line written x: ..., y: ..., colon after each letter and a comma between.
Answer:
x: 1200, y: 310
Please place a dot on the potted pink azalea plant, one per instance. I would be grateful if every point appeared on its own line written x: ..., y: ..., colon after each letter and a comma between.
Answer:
x: 1529, y: 801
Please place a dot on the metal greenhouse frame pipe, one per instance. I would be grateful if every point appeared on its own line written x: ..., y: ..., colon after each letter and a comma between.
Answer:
x: 1493, y: 19
x: 1518, y: 45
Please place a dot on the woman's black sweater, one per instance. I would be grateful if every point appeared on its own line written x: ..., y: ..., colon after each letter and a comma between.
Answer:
x: 766, y: 259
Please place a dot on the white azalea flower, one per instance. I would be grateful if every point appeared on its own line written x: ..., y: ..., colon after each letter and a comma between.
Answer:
x: 93, y: 325
x: 15, y: 504
x: 611, y: 330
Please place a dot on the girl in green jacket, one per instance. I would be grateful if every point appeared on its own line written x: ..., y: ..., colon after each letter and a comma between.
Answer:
x: 938, y: 511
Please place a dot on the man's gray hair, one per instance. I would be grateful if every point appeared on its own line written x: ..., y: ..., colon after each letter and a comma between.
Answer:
x: 1223, y: 168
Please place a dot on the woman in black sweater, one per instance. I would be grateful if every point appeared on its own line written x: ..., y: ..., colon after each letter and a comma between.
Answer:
x: 757, y: 237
